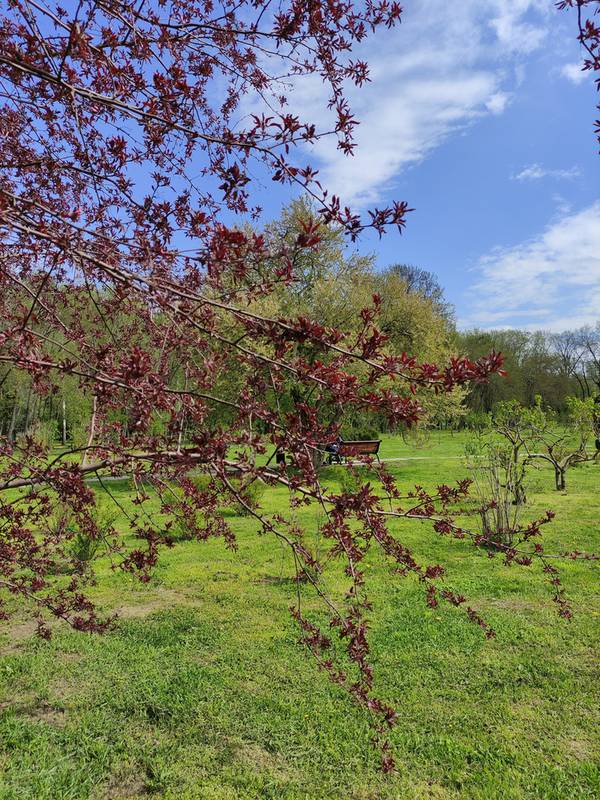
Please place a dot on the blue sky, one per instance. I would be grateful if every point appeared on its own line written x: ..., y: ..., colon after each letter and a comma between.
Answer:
x: 479, y: 117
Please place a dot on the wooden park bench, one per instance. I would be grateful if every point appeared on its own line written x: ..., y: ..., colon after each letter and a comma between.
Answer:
x: 346, y: 450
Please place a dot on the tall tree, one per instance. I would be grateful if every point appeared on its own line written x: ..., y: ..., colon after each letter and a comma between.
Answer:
x: 425, y: 283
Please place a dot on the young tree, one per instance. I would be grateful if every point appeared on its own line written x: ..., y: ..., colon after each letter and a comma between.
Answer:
x: 567, y: 445
x: 123, y: 267
x: 517, y: 425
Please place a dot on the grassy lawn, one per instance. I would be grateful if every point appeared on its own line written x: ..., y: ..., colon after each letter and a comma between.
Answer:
x: 203, y: 693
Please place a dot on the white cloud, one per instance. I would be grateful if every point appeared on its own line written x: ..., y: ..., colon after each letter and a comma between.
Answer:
x: 445, y: 67
x: 401, y: 132
x: 574, y: 73
x: 514, y: 33
x: 536, y: 172
x: 497, y: 102
x: 552, y: 280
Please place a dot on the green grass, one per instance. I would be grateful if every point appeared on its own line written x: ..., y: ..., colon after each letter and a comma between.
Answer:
x: 203, y: 692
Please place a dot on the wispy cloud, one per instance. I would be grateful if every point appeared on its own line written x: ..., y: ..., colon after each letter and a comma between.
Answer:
x: 402, y: 130
x: 444, y: 68
x: 498, y: 102
x: 552, y: 280
x: 536, y: 172
x: 574, y: 73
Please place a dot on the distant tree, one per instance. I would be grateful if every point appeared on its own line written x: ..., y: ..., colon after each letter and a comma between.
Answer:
x: 425, y: 283
x: 535, y: 364
x: 569, y: 351
x: 483, y: 397
x: 588, y: 339
x: 332, y: 285
x: 329, y: 261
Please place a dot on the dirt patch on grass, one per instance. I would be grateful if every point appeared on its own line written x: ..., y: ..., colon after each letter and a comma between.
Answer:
x: 45, y: 712
x: 124, y: 786
x: 151, y: 602
x: 14, y: 635
x: 579, y: 749
x: 30, y: 708
x: 253, y: 755
x: 510, y: 604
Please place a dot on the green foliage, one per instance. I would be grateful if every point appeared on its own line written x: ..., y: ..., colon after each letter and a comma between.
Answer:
x: 84, y: 547
x: 476, y: 421
x: 534, y: 365
x: 581, y: 414
x: 43, y: 433
x: 334, y: 285
x: 251, y: 494
x: 183, y: 528
x: 185, y: 519
x: 517, y: 421
x: 358, y: 432
x: 352, y: 479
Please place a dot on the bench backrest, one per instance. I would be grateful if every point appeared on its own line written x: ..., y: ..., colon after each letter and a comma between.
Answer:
x: 370, y: 447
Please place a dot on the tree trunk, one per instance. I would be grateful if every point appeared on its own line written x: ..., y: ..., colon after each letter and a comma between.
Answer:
x: 92, y: 432
x: 520, y: 495
x: 560, y: 478
x: 64, y: 422
x: 13, y: 422
x: 28, y: 410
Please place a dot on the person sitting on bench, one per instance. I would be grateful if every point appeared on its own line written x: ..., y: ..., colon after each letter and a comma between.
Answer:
x: 333, y: 448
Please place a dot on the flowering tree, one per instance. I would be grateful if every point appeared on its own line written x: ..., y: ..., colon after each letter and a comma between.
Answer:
x: 589, y: 36
x: 123, y: 268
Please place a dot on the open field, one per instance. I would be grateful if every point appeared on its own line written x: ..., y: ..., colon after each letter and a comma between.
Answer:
x: 203, y: 694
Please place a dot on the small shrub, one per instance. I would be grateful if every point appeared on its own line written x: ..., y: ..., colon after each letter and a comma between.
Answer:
x: 476, y: 421
x: 201, y: 481
x: 361, y: 433
x: 352, y: 479
x: 252, y: 495
x: 81, y: 547
x: 84, y: 547
x: 494, y: 475
x: 186, y: 521
x: 180, y: 531
x: 42, y: 433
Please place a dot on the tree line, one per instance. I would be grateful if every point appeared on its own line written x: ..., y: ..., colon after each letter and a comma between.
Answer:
x: 331, y: 286
x: 553, y: 365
